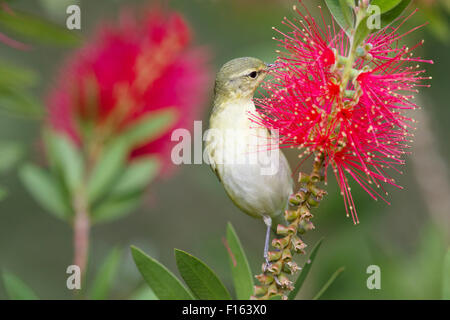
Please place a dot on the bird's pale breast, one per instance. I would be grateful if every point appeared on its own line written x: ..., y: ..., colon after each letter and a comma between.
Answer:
x: 237, y: 151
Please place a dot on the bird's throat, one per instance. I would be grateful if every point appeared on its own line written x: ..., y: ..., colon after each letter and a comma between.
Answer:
x: 232, y: 115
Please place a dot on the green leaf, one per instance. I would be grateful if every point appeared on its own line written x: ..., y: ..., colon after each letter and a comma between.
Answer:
x: 17, y: 76
x: 68, y: 159
x: 389, y: 16
x: 38, y: 29
x: 446, y: 277
x: 16, y: 288
x: 202, y: 281
x: 57, y: 8
x: 106, y: 275
x: 361, y: 33
x: 144, y: 293
x: 18, y: 102
x: 342, y: 13
x: 44, y: 190
x: 385, y: 5
x: 115, y: 207
x: 107, y: 169
x: 240, y: 268
x: 386, y: 18
x: 163, y: 282
x: 138, y: 174
x: 328, y: 283
x: 150, y: 127
x: 304, y: 273
x: 10, y: 153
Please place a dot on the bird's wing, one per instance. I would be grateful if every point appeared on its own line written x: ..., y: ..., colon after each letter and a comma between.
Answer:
x: 214, y: 168
x: 210, y: 151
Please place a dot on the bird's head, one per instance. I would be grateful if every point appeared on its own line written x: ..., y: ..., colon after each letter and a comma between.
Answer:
x: 239, y: 78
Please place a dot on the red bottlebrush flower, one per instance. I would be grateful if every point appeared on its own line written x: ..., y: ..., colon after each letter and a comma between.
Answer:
x: 356, y: 124
x: 124, y: 73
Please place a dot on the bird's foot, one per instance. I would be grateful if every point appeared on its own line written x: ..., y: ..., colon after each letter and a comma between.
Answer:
x: 266, y: 265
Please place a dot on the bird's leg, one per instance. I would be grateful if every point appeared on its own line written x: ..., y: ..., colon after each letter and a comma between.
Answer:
x: 268, y: 222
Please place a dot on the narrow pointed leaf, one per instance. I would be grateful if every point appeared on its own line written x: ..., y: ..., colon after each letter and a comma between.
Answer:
x: 107, y: 169
x: 15, y: 75
x: 162, y: 282
x: 361, y: 32
x: 385, y: 5
x: 144, y: 293
x: 45, y: 191
x: 304, y: 273
x: 106, y: 276
x: 17, y: 289
x: 342, y: 13
x: 386, y: 18
x: 240, y: 268
x: 137, y: 176
x: 68, y: 159
x: 202, y: 281
x: 18, y: 102
x: 150, y: 127
x: 37, y: 29
x: 389, y: 16
x: 115, y: 207
x: 328, y: 283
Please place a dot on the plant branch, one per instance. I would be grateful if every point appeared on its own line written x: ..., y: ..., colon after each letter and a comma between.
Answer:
x: 81, y: 228
x: 274, y: 277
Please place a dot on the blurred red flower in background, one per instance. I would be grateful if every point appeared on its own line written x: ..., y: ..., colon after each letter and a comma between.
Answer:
x: 125, y: 72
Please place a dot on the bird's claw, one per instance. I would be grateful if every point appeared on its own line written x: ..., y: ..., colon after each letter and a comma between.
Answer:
x: 266, y: 265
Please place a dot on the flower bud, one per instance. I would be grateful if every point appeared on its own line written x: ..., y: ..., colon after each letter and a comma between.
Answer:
x: 305, y: 213
x: 306, y: 225
x: 286, y: 255
x: 298, y: 244
x: 290, y: 267
x: 274, y: 255
x: 368, y: 57
x: 315, y: 177
x: 303, y: 177
x: 275, y: 268
x: 368, y: 47
x: 313, y: 201
x: 260, y: 290
x: 264, y: 279
x: 317, y: 192
x: 291, y: 215
x: 281, y: 243
x: 302, y: 195
x: 360, y: 52
x: 293, y: 200
x: 282, y: 230
x: 272, y: 290
x: 284, y: 282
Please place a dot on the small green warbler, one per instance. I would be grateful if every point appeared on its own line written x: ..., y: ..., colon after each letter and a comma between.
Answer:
x: 234, y: 146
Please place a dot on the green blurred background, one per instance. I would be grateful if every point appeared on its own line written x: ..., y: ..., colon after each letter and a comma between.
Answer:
x: 189, y: 210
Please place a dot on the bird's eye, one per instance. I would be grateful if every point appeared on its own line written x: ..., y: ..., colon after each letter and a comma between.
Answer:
x: 253, y: 74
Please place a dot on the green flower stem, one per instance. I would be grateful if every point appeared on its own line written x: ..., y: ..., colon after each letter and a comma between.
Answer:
x: 274, y: 279
x: 81, y: 227
x: 348, y: 62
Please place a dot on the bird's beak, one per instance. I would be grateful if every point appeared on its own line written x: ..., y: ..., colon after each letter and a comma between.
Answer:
x: 270, y: 66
